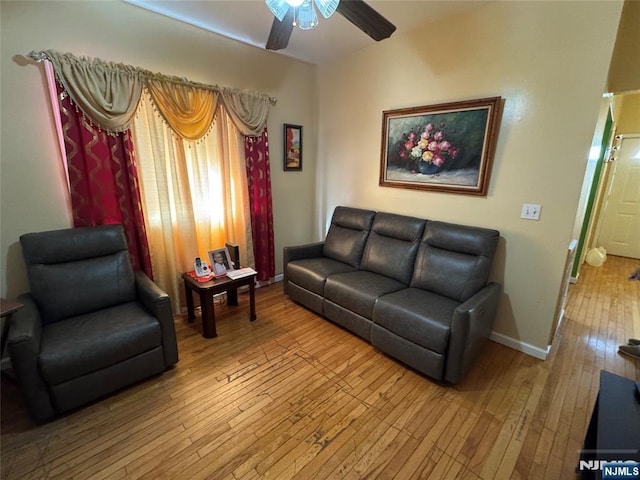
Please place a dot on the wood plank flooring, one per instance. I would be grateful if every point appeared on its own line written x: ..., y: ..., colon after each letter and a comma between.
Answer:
x: 293, y: 396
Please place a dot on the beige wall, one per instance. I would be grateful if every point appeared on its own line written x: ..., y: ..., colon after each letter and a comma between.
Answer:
x: 33, y: 196
x: 549, y: 60
x: 629, y: 118
x: 624, y: 74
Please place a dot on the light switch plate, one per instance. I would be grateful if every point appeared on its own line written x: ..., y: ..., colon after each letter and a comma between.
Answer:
x: 530, y: 211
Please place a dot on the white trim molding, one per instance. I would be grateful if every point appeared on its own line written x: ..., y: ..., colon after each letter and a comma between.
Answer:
x: 536, y: 352
x: 264, y: 283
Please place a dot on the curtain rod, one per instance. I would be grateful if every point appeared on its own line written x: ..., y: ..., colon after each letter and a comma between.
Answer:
x: 146, y: 74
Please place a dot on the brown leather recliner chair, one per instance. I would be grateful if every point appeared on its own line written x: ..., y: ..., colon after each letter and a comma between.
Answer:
x: 91, y: 325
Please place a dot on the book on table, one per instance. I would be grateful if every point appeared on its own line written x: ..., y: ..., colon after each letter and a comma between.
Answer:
x: 240, y: 273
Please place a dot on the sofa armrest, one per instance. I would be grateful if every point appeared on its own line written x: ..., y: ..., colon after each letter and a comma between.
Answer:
x: 156, y: 301
x: 470, y: 327
x: 23, y: 343
x: 299, y: 252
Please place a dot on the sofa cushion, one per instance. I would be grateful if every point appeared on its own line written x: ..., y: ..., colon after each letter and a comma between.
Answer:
x: 422, y: 359
x: 347, y: 235
x: 454, y: 260
x: 392, y: 246
x: 89, y: 267
x: 358, y: 291
x: 311, y: 273
x: 87, y: 343
x: 421, y: 317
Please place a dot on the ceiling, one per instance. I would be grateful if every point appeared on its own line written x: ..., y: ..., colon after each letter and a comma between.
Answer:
x: 249, y: 21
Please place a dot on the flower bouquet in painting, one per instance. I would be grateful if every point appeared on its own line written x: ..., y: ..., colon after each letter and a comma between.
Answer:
x: 427, y: 150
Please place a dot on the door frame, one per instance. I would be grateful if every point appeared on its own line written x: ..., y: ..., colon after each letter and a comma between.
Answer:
x: 591, y: 214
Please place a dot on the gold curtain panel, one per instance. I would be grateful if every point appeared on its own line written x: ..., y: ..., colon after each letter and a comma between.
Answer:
x: 189, y: 111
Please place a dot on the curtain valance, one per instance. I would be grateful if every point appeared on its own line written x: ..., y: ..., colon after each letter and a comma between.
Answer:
x: 187, y: 110
x: 109, y: 94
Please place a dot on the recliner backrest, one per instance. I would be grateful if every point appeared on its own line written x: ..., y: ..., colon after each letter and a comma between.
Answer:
x: 78, y: 270
x: 454, y: 260
x: 392, y: 246
x: 348, y: 234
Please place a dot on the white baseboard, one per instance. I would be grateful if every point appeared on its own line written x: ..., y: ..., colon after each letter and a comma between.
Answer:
x: 264, y: 283
x: 520, y: 346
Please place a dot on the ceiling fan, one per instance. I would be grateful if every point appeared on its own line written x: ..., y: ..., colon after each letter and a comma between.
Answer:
x: 301, y: 13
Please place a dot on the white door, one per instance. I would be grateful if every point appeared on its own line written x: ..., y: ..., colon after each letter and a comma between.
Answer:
x: 620, y: 233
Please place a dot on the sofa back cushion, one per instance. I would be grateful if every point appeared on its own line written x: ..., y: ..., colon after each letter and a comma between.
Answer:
x: 454, y: 260
x: 392, y: 246
x: 78, y: 270
x: 348, y: 234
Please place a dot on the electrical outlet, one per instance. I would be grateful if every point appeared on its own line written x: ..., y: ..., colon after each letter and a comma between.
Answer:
x: 530, y: 211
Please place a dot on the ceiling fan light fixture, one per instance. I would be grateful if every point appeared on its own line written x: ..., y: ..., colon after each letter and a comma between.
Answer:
x: 278, y: 8
x: 358, y: 12
x: 327, y: 7
x: 306, y: 17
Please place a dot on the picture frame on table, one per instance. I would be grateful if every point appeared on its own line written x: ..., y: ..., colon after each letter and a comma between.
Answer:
x: 220, y: 262
x: 448, y: 147
x: 292, y: 147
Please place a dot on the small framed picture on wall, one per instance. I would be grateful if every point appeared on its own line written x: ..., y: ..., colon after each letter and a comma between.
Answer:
x: 292, y: 147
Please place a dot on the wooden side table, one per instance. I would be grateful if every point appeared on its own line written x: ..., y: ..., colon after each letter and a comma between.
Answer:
x: 7, y: 309
x: 206, y: 291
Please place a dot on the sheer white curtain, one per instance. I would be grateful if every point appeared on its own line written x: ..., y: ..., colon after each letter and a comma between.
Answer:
x: 194, y: 195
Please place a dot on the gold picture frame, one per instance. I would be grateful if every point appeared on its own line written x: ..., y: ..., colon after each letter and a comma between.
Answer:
x: 448, y: 147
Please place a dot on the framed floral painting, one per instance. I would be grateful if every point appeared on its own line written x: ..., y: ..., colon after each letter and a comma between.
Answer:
x: 292, y: 147
x: 447, y: 147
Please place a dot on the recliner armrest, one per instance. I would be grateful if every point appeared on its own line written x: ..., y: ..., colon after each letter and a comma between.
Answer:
x: 300, y: 252
x: 470, y: 327
x: 23, y: 343
x: 158, y: 303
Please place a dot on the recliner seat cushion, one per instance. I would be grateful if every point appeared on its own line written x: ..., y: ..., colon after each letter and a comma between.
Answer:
x: 392, y: 246
x: 78, y: 270
x: 347, y: 235
x: 454, y: 260
x: 421, y: 317
x: 82, y: 286
x: 312, y: 273
x: 358, y: 291
x: 80, y: 345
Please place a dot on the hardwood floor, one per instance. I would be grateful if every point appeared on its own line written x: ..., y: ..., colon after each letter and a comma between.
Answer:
x: 294, y: 396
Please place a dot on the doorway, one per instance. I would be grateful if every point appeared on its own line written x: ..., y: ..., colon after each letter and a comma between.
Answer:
x: 600, y: 190
x: 620, y: 230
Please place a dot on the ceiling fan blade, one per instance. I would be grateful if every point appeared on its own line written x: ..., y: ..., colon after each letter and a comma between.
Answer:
x: 280, y: 32
x: 366, y: 19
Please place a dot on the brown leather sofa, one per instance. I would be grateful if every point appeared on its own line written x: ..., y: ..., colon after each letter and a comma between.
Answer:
x: 416, y: 289
x: 91, y: 325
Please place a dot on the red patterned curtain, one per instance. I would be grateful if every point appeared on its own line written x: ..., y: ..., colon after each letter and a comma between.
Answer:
x: 256, y: 151
x: 103, y: 180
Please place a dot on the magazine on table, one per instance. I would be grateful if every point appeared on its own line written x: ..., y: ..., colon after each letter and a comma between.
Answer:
x: 241, y: 272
